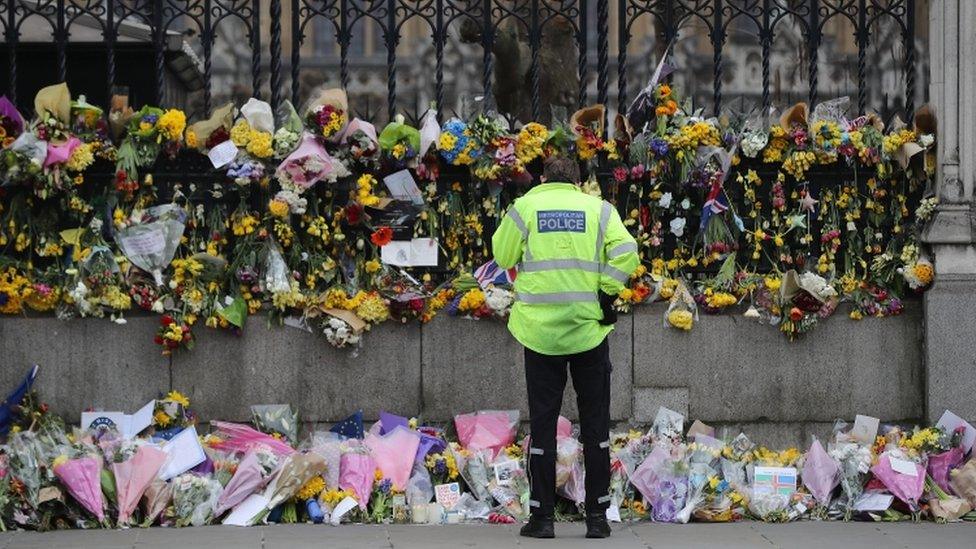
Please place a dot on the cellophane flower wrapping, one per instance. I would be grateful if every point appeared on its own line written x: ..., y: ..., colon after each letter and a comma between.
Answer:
x: 356, y: 469
x: 276, y: 418
x: 253, y: 472
x: 394, y: 454
x: 294, y: 472
x: 682, y: 312
x: 156, y: 499
x: 487, y: 429
x: 420, y: 489
x: 133, y: 476
x: 939, y: 465
x: 25, y: 462
x: 855, y: 464
x: 150, y: 242
x: 821, y: 473
x: 329, y: 446
x: 82, y: 478
x: 235, y: 437
x: 905, y: 487
x: 472, y: 465
x: 308, y: 164
x: 194, y: 499
x: 570, y: 476
x: 963, y: 481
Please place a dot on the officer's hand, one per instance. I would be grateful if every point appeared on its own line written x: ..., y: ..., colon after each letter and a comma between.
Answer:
x: 606, y: 305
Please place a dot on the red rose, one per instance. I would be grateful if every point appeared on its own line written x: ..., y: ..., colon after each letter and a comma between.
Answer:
x: 158, y: 340
x: 381, y: 236
x: 166, y: 320
x: 354, y: 213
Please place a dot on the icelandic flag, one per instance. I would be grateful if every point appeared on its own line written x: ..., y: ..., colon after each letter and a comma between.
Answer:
x: 491, y: 273
x: 715, y: 203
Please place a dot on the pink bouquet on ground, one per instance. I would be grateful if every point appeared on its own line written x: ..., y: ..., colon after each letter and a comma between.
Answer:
x: 821, y: 473
x: 487, y: 430
x: 82, y: 478
x: 904, y: 486
x: 356, y: 471
x: 307, y: 165
x: 157, y: 497
x: 133, y: 477
x: 252, y: 473
x: 235, y: 437
x: 394, y: 454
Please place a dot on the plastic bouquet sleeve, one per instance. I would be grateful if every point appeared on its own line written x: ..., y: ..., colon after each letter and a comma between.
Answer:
x: 155, y: 500
x: 487, y: 430
x: 939, y: 466
x: 394, y: 454
x: 569, y: 470
x: 308, y: 164
x: 151, y: 246
x: 907, y: 488
x: 330, y: 448
x: 398, y: 131
x: 430, y: 132
x: 194, y: 498
x: 235, y: 437
x: 9, y: 111
x: 295, y: 471
x: 278, y: 418
x: 644, y: 478
x: 222, y: 117
x: 54, y: 100
x: 963, y: 481
x: 821, y: 473
x: 249, y: 477
x: 361, y: 126
x: 258, y: 115
x: 356, y: 475
x: 133, y: 477
x: 59, y: 154
x: 81, y: 477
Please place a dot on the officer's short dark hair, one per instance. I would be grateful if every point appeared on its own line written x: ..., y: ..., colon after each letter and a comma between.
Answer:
x: 561, y: 169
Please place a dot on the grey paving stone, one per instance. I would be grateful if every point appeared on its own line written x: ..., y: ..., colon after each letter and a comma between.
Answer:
x: 728, y: 536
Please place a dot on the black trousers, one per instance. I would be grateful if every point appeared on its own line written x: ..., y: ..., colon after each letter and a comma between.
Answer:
x: 545, y: 378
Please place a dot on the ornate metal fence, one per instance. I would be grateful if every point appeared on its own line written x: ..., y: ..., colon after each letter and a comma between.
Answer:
x: 589, y: 21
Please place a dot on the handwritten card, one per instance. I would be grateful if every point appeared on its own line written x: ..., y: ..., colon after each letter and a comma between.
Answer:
x: 447, y: 495
x: 865, y: 429
x: 223, y: 154
x: 418, y: 252
x: 403, y: 187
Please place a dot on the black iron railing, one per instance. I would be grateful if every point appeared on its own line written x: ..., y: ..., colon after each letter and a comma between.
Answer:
x: 264, y: 20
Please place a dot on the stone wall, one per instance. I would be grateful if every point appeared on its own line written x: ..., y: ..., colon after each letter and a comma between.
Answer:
x: 728, y: 371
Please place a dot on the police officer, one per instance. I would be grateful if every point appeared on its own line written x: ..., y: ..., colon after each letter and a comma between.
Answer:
x: 574, y: 255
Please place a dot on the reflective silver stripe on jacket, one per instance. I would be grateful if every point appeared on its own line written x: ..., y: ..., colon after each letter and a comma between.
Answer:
x: 622, y: 249
x: 616, y: 274
x: 556, y: 297
x: 517, y: 219
x: 602, y: 232
x: 558, y: 264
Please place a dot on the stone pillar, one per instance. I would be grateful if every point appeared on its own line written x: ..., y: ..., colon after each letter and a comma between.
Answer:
x: 950, y: 305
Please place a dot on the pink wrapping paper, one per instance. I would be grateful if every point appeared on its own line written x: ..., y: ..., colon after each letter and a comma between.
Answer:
x: 940, y: 464
x: 644, y: 478
x: 394, y: 454
x: 821, y: 473
x: 59, y: 154
x: 133, y: 476
x: 904, y: 487
x: 236, y: 437
x: 294, y: 166
x: 356, y: 475
x: 486, y: 430
x: 81, y: 478
x: 247, y: 479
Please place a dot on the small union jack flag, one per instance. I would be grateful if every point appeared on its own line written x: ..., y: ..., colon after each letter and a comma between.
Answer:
x: 491, y: 273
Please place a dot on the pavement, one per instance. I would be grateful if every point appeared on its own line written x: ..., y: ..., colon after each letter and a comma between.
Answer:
x: 800, y: 535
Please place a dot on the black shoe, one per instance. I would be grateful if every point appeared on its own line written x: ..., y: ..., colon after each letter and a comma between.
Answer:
x: 538, y: 527
x: 597, y: 525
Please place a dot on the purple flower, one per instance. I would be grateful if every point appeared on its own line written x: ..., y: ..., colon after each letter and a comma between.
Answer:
x: 440, y: 466
x: 659, y: 146
x: 385, y: 486
x: 4, y: 298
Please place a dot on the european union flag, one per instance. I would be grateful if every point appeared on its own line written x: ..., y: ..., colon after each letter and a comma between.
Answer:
x: 13, y: 399
x: 351, y: 427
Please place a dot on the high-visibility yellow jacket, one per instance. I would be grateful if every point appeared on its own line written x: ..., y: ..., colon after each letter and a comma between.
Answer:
x: 567, y: 245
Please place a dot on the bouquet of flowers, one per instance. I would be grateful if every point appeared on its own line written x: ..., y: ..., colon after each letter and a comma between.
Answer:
x: 308, y: 164
x: 11, y: 122
x: 855, y: 464
x: 207, y: 134
x: 456, y: 144
x: 194, y: 499
x: 287, y: 136
x: 133, y: 477
x: 682, y: 311
x: 252, y: 473
x: 276, y: 420
x: 326, y: 115
x: 399, y: 143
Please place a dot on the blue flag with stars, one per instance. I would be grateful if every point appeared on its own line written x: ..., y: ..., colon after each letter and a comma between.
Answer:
x: 351, y: 427
x: 13, y: 399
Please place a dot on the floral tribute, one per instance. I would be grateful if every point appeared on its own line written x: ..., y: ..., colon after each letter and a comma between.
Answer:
x: 323, y: 221
x: 403, y: 469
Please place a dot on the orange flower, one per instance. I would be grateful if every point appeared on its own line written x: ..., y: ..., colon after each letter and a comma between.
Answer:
x: 381, y: 236
x: 796, y: 314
